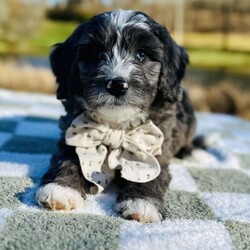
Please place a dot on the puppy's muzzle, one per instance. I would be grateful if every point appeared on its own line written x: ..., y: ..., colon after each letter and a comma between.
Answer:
x: 117, y: 87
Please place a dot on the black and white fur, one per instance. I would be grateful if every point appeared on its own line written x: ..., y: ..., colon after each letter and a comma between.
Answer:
x: 128, y: 45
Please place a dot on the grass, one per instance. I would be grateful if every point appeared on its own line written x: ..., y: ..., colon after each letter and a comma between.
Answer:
x: 204, y: 48
x: 50, y: 33
x: 228, y: 61
x: 26, y: 78
x: 214, y: 51
x: 234, y: 41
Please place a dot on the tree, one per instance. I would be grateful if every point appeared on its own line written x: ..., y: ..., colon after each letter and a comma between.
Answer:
x: 74, y: 3
x: 20, y: 19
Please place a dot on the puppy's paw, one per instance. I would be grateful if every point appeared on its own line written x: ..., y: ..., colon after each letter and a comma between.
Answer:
x: 142, y: 210
x: 56, y: 197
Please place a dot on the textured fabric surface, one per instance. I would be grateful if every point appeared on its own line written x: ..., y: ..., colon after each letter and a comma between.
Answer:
x: 207, y: 205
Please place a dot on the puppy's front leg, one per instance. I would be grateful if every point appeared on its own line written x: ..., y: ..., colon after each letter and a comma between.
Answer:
x: 63, y: 187
x: 143, y: 201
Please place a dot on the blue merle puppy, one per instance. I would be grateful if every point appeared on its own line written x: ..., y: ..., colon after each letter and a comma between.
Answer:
x: 123, y: 68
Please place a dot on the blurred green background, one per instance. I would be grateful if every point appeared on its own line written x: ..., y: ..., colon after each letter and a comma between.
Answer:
x: 216, y: 34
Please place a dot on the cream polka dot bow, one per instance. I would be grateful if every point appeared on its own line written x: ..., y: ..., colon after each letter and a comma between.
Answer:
x: 102, y: 150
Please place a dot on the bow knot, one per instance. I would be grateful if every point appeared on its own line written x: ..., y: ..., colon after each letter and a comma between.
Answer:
x: 101, y: 150
x: 114, y: 138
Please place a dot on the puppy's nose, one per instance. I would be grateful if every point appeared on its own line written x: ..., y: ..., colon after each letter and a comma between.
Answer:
x: 117, y: 87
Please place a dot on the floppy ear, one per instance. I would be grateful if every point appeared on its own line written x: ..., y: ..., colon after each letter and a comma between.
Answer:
x: 62, y: 60
x: 175, y: 60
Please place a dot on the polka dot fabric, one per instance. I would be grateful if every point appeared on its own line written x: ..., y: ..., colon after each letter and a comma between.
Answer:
x: 102, y: 150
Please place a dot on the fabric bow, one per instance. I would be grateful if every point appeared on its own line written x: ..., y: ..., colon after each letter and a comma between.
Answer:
x: 102, y: 150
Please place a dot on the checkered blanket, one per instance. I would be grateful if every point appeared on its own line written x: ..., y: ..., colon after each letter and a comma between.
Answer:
x: 207, y: 205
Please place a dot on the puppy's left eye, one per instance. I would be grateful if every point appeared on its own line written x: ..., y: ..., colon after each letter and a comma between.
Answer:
x: 141, y: 55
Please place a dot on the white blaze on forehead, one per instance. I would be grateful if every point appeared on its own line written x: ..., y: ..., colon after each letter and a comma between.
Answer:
x: 123, y: 66
x: 122, y: 18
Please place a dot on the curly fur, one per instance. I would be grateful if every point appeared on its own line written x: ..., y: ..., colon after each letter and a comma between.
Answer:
x: 106, y: 47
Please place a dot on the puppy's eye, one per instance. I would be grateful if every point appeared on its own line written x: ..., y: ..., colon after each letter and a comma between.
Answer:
x: 141, y: 55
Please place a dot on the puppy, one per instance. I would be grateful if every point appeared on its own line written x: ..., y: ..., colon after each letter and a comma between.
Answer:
x: 120, y: 70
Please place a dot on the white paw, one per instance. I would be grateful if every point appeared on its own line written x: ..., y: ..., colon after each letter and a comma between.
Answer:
x: 141, y: 210
x: 56, y: 197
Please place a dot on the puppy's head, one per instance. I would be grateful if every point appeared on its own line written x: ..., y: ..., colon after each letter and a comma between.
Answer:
x: 119, y: 59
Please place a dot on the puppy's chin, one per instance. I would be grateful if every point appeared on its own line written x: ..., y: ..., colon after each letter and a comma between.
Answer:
x: 121, y: 117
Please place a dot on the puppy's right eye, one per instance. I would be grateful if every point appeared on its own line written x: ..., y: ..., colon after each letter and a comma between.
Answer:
x: 89, y: 54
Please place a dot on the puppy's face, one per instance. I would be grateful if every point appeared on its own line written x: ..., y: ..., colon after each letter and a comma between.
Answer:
x: 120, y: 59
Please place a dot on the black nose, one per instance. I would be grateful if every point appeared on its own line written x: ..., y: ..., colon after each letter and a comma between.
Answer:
x: 117, y: 87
